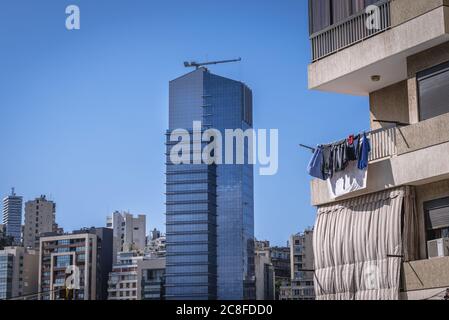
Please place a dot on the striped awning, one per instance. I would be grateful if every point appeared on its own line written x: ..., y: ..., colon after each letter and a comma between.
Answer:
x: 359, y: 245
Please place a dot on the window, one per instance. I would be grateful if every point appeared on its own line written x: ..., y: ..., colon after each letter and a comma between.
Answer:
x: 320, y: 15
x: 64, y: 242
x: 433, y: 87
x: 63, y: 261
x: 324, y: 13
x: 437, y: 218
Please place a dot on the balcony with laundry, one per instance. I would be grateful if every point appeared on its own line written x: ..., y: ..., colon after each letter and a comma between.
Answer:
x: 401, y: 154
x: 360, y: 46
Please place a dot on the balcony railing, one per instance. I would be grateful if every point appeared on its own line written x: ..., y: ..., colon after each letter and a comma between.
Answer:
x: 349, y: 32
x: 383, y: 143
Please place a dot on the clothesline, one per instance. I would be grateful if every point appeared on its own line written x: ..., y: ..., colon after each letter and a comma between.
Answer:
x: 312, y: 149
x: 397, y: 123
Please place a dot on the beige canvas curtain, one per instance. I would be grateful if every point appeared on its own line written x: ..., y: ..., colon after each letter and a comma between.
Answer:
x: 359, y: 245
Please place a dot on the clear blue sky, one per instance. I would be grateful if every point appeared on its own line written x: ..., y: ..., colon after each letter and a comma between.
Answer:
x: 83, y: 113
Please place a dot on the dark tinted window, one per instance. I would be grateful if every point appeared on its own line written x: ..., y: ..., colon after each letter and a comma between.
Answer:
x: 341, y: 9
x: 437, y: 218
x: 324, y: 13
x: 320, y: 14
x: 433, y: 87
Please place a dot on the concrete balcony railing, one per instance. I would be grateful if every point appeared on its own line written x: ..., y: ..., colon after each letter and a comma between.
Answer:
x: 406, y: 155
x: 425, y: 279
x: 348, y: 32
x: 383, y: 144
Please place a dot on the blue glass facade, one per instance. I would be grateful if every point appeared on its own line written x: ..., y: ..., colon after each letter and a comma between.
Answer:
x: 210, y: 211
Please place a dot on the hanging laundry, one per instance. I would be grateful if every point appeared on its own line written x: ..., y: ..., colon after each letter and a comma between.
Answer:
x: 328, y: 162
x: 331, y: 159
x: 339, y: 156
x: 315, y: 167
x: 364, y: 150
x: 350, y: 180
x: 352, y: 146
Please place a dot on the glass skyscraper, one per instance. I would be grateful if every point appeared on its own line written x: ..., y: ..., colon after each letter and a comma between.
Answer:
x: 210, y: 208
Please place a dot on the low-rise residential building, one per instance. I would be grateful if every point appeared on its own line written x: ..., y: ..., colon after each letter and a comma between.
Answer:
x: 151, y: 274
x: 136, y: 277
x: 18, y: 273
x: 87, y: 253
x: 123, y: 280
x: 265, y: 278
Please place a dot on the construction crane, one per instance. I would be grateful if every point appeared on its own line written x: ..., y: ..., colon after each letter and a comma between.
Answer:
x: 197, y: 65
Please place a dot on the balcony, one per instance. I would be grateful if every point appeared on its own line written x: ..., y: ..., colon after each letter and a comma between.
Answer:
x: 348, y: 32
x: 346, y: 55
x: 407, y: 155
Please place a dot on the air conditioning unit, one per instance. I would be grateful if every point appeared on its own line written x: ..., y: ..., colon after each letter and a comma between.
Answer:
x: 438, y: 248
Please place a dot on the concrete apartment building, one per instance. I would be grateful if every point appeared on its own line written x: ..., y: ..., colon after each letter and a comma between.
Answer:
x: 123, y: 281
x: 151, y: 275
x: 381, y: 242
x: 12, y: 216
x: 129, y: 232
x: 265, y: 284
x: 302, y: 265
x: 156, y: 247
x: 89, y: 250
x: 280, y: 258
x: 39, y: 218
x: 136, y: 277
x: 18, y: 273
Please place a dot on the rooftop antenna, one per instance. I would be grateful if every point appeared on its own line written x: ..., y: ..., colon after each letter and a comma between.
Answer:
x: 197, y: 65
x: 13, y: 191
